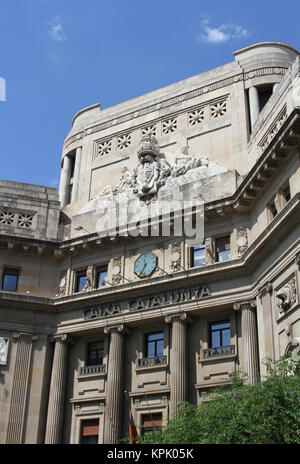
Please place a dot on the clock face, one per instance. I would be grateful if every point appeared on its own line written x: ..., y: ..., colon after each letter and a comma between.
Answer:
x: 145, y: 264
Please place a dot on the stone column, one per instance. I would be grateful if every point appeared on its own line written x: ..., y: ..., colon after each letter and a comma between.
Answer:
x: 114, y: 386
x: 253, y: 106
x: 76, y: 174
x: 64, y: 186
x: 57, y: 390
x: 250, y: 358
x: 178, y: 360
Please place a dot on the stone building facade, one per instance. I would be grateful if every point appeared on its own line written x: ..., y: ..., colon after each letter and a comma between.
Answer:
x: 96, y: 314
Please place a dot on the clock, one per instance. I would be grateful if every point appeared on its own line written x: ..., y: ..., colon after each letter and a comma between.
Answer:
x: 145, y: 264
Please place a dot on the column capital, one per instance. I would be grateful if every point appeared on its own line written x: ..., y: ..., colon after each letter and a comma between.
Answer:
x: 63, y: 338
x: 169, y: 319
x: 17, y: 335
x: 119, y: 328
x: 244, y: 304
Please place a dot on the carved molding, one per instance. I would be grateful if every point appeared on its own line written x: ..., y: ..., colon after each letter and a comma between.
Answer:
x: 116, y: 328
x: 170, y: 318
x: 116, y: 271
x: 244, y: 304
x: 267, y: 288
x: 286, y: 296
x: 62, y: 338
x: 176, y: 256
x: 241, y: 240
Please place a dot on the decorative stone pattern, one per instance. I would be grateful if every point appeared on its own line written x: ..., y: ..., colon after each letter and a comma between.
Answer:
x: 286, y: 297
x: 196, y: 117
x: 176, y: 257
x: 218, y: 109
x: 242, y: 240
x: 168, y: 126
x: 124, y: 141
x: 62, y: 287
x: 116, y: 271
x: 180, y: 98
x: 23, y: 220
x: 150, y: 130
x: 103, y: 148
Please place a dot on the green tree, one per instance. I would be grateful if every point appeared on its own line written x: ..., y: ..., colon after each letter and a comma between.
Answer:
x: 268, y: 412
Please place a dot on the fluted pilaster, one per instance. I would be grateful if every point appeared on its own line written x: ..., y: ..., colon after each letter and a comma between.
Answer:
x: 114, y: 385
x: 57, y: 390
x: 250, y: 357
x: 178, y: 360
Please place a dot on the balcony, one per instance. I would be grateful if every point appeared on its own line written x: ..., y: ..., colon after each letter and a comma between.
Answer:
x: 152, y: 362
x: 210, y: 353
x: 92, y: 370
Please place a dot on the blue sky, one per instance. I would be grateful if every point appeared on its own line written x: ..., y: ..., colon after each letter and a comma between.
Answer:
x: 58, y: 56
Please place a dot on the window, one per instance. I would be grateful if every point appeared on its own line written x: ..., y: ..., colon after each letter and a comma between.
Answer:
x: 220, y: 334
x: 95, y: 353
x: 151, y: 422
x: 198, y: 256
x: 154, y: 344
x: 101, y: 277
x: 10, y: 280
x: 89, y: 432
x: 80, y: 281
x: 286, y: 193
x: 223, y: 248
x: 273, y: 209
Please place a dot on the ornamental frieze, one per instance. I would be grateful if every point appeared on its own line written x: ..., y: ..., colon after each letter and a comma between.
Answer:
x: 144, y: 303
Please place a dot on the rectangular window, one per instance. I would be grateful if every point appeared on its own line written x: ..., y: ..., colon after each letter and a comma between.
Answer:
x: 89, y: 432
x: 10, y: 280
x: 154, y: 344
x: 198, y: 256
x: 273, y: 209
x: 220, y: 334
x: 151, y: 422
x: 80, y: 281
x: 95, y: 353
x: 223, y: 248
x: 286, y: 193
x: 101, y: 277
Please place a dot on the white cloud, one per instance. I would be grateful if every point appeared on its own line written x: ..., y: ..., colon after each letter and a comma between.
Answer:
x: 221, y: 34
x: 56, y: 30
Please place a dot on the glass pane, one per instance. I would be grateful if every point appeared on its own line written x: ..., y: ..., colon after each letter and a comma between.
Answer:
x: 226, y: 337
x: 223, y: 255
x: 156, y: 336
x: 220, y: 325
x: 199, y: 256
x: 90, y: 440
x: 160, y: 348
x: 102, y: 277
x: 10, y: 282
x: 150, y: 349
x: 81, y: 281
x: 215, y: 339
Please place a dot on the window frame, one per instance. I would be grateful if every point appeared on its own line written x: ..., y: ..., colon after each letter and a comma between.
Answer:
x: 12, y: 272
x: 78, y: 274
x: 217, y: 253
x: 211, y: 324
x: 147, y: 341
x: 192, y: 256
x: 88, y: 351
x: 99, y: 269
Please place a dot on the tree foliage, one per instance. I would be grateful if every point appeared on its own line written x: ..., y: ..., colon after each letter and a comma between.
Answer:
x: 268, y: 412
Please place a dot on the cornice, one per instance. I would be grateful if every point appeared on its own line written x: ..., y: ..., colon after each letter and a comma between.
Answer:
x: 179, y: 98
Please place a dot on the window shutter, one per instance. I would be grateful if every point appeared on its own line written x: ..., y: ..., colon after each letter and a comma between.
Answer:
x: 90, y: 427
